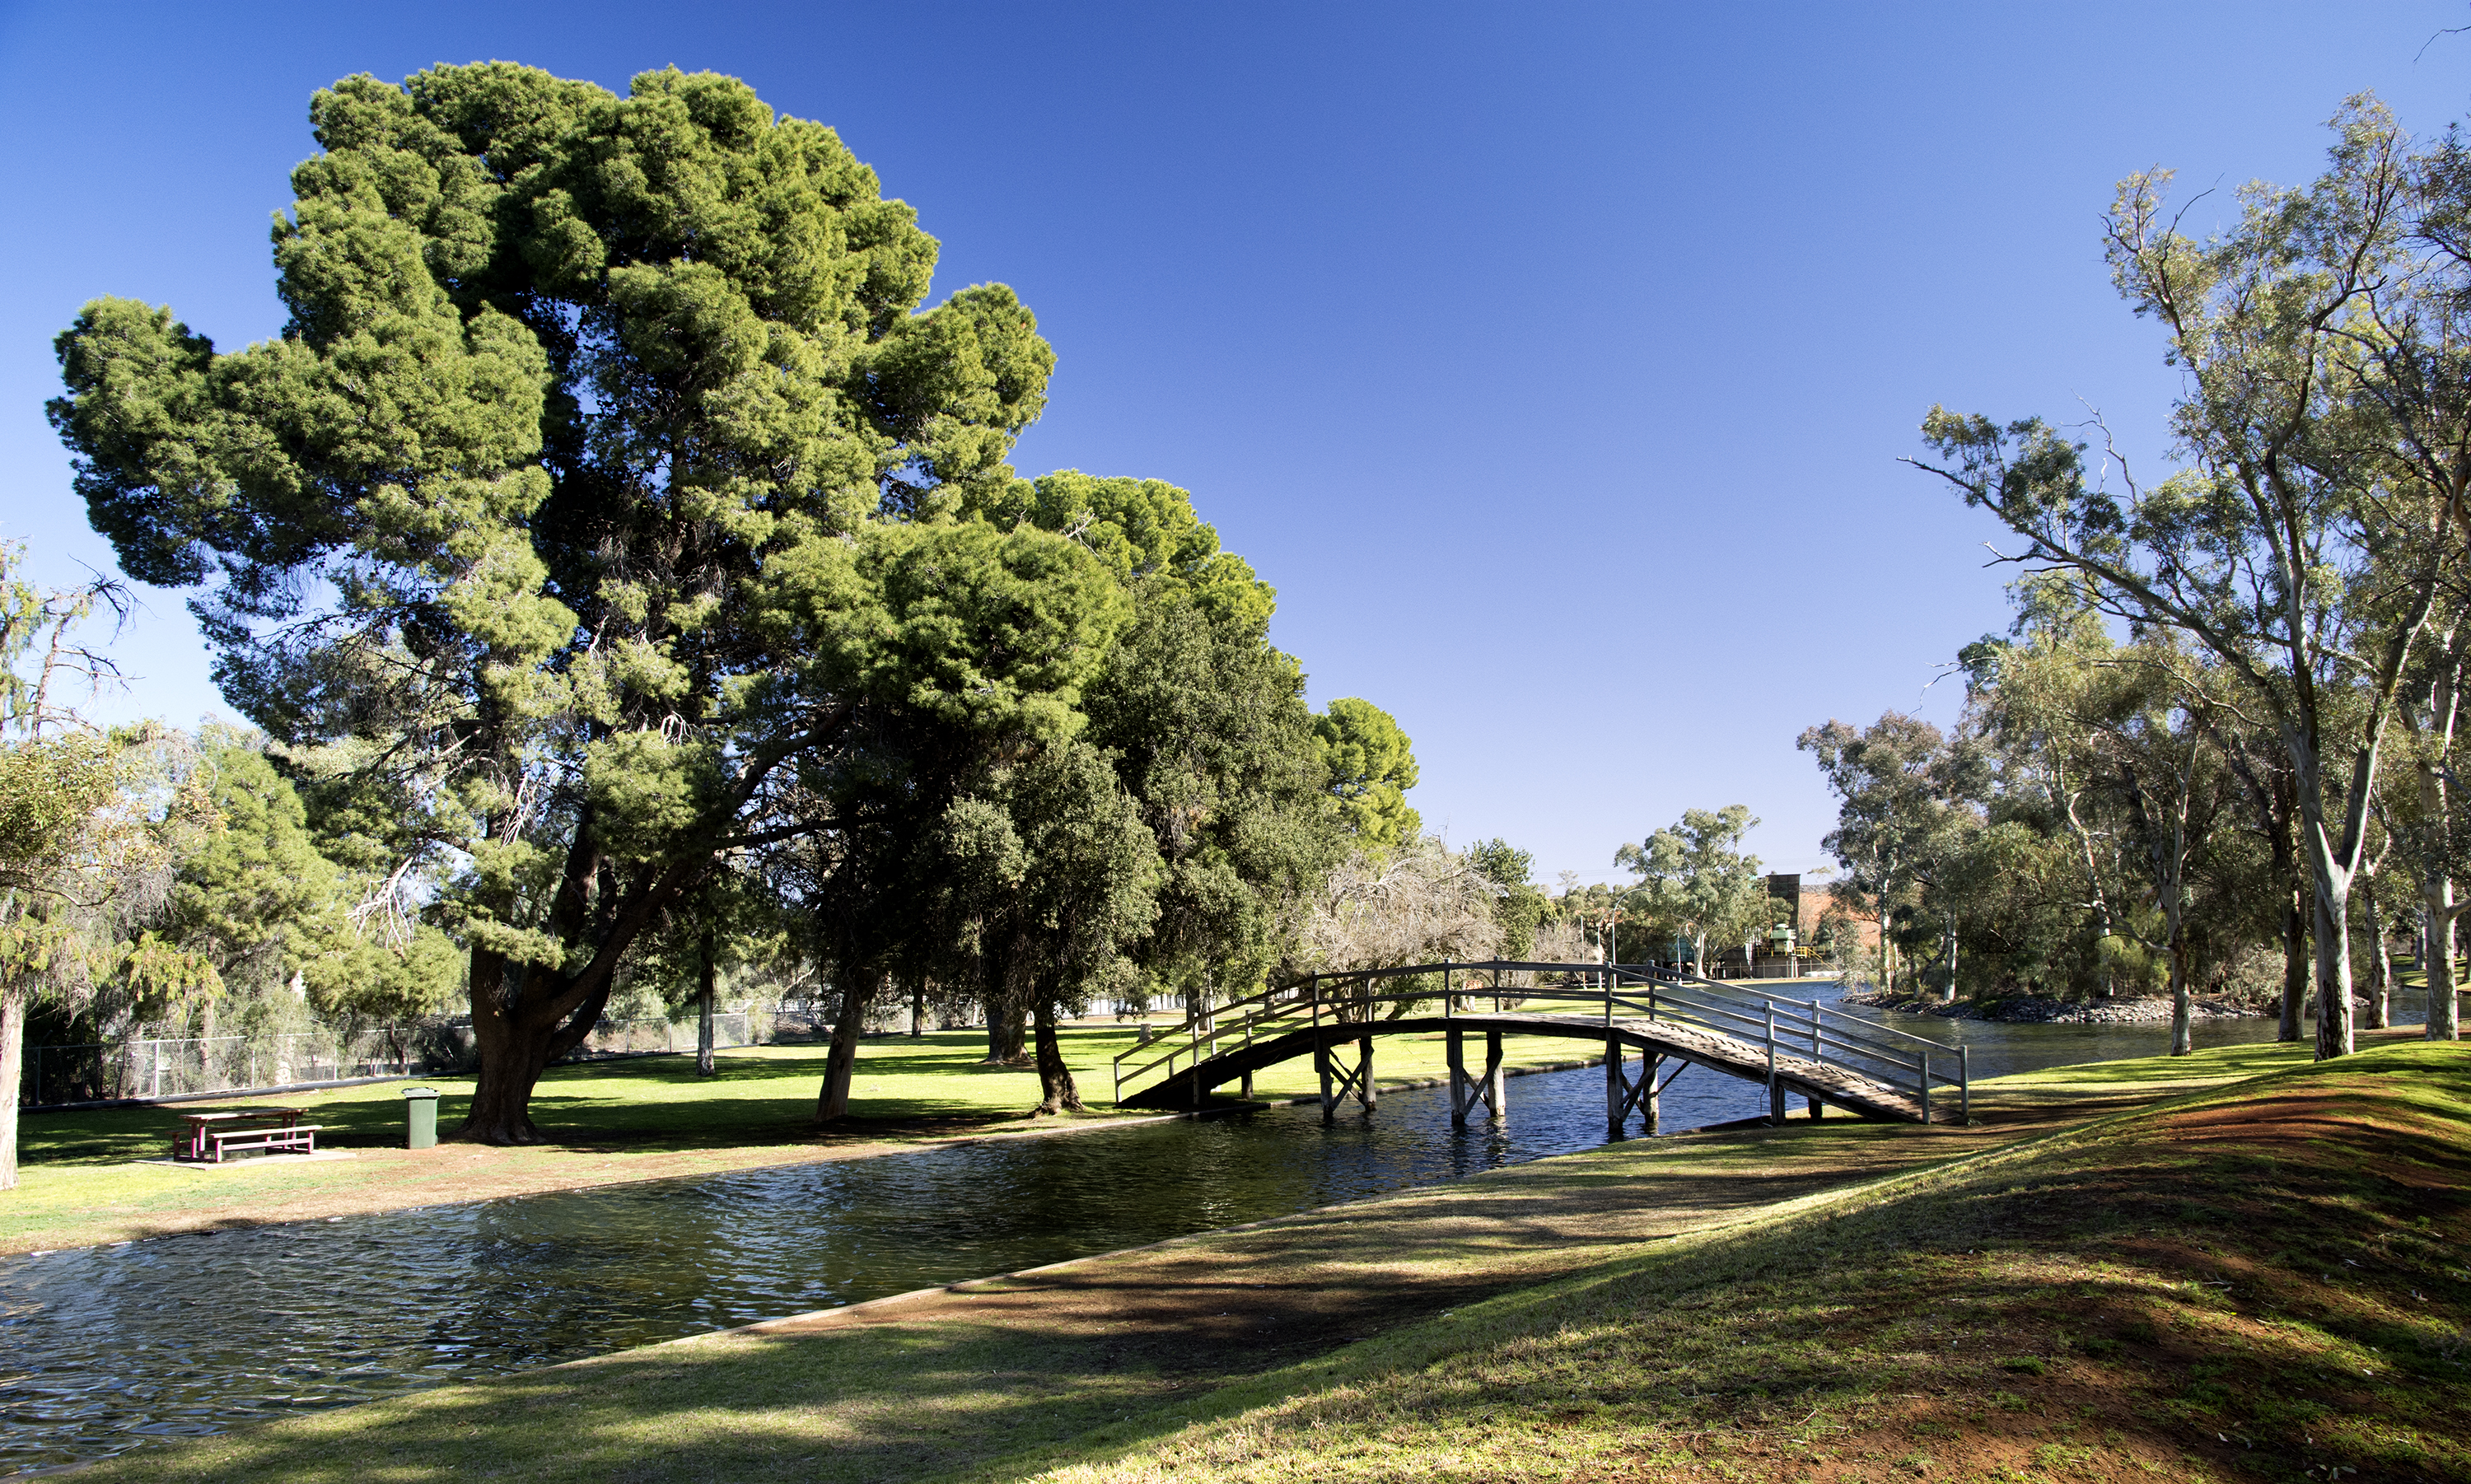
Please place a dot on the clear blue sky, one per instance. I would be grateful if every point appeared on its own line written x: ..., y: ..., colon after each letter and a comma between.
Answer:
x: 1552, y: 359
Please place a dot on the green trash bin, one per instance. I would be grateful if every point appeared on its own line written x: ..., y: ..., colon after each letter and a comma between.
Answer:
x: 421, y: 1116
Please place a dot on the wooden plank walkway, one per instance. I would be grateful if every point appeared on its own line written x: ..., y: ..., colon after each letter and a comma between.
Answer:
x: 1729, y: 1055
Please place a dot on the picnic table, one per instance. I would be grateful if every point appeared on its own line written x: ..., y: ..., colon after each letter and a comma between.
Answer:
x: 209, y: 1136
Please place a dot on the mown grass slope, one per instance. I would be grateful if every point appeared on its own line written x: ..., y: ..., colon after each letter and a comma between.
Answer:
x: 2267, y: 1281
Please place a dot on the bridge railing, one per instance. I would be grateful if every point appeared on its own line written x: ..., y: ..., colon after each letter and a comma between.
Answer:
x: 1800, y: 1028
x: 1913, y: 1065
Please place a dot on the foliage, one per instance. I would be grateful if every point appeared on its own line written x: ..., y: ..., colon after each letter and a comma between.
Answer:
x: 580, y: 396
x: 1694, y: 877
x: 1904, y: 812
x: 1417, y: 903
x: 2307, y: 539
x: 1372, y: 765
x: 1518, y: 907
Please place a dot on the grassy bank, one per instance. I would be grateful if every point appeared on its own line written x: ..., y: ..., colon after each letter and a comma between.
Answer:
x: 87, y: 1177
x: 2265, y: 1282
x: 1826, y: 1299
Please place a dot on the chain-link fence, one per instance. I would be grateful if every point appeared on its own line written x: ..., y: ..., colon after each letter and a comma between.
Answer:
x: 729, y: 1028
x: 171, y: 1068
x: 148, y: 1067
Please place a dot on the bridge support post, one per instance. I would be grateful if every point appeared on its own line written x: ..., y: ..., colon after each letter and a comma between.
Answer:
x: 1616, y: 1089
x: 1624, y: 1093
x: 1458, y: 1078
x: 1776, y: 1103
x: 1248, y: 1087
x: 1466, y: 1091
x: 1337, y: 1081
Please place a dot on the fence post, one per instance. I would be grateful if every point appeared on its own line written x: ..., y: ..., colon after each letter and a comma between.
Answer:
x: 1775, y: 1090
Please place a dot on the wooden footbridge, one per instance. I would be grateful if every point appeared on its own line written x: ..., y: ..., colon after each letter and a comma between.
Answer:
x: 1795, y: 1047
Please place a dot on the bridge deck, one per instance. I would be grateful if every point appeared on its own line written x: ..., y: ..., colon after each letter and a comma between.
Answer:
x: 1731, y: 1055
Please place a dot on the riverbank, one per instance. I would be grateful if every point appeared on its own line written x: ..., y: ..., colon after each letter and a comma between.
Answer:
x: 94, y: 1176
x: 2037, y: 1010
x: 1750, y: 1303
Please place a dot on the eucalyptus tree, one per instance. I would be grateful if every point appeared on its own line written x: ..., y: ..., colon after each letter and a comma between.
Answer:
x: 2304, y: 542
x: 91, y: 823
x: 2128, y: 727
x: 1901, y: 787
x: 583, y: 399
x: 2430, y: 836
x: 1695, y: 875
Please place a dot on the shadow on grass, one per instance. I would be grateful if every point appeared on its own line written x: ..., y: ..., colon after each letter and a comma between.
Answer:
x: 2262, y: 1277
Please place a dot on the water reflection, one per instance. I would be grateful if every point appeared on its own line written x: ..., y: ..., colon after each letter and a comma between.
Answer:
x: 105, y: 1347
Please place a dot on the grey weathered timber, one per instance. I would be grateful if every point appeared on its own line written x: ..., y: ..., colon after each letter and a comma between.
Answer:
x: 1791, y: 1048
x: 1466, y: 1092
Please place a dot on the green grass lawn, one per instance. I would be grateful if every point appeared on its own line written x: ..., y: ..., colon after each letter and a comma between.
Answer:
x: 2255, y: 1281
x: 760, y: 1094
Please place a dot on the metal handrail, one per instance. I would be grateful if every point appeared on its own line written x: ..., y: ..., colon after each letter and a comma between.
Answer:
x: 1779, y: 1026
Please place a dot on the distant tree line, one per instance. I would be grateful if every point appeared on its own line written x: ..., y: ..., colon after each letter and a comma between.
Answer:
x: 2216, y: 746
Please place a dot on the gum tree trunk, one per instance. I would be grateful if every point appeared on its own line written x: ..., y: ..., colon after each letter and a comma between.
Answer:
x: 13, y: 1063
x: 2436, y: 959
x: 2333, y: 978
x: 2294, y: 966
x: 2380, y: 966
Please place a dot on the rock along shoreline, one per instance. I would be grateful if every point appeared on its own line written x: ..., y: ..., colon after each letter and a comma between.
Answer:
x: 2039, y: 1010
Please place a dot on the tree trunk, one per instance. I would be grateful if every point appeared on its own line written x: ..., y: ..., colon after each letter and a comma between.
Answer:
x: 1948, y: 991
x: 858, y: 991
x: 2183, y: 997
x: 703, y: 1016
x: 516, y: 1044
x: 1886, y: 950
x: 2294, y: 965
x: 12, y: 1065
x: 918, y: 1006
x: 2380, y: 966
x: 1007, y: 1032
x: 1056, y: 1091
x: 2333, y: 975
x: 2436, y: 962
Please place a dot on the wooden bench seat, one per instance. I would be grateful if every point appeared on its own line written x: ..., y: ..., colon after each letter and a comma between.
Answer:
x: 286, y: 1139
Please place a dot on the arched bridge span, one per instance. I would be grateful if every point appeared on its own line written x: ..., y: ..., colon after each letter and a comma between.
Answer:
x: 1794, y: 1048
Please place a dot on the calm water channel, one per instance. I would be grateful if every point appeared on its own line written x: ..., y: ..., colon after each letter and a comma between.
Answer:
x: 104, y: 1349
